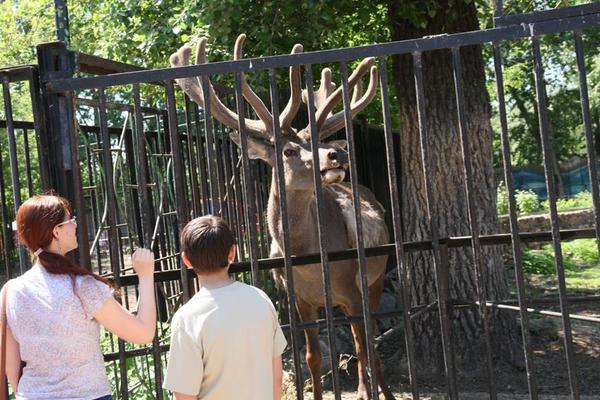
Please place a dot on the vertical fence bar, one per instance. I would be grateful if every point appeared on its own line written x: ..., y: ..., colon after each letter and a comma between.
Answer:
x: 549, y: 172
x: 449, y: 363
x: 220, y: 171
x: 248, y: 181
x: 481, y: 281
x: 360, y: 246
x: 209, y: 137
x: 239, y: 209
x: 38, y: 124
x: 228, y: 194
x: 192, y: 158
x: 498, y: 8
x: 204, y: 195
x: 82, y: 224
x: 133, y: 209
x: 323, y: 244
x: 54, y: 61
x: 144, y: 206
x: 514, y: 227
x: 7, y: 243
x: 113, y: 233
x: 28, y: 162
x: 397, y: 226
x: 14, y: 168
x: 178, y: 174
x: 287, y: 256
x: 589, y: 141
x: 61, y: 17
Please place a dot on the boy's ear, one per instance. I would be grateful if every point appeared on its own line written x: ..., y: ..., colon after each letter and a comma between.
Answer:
x: 186, y: 260
x: 232, y: 253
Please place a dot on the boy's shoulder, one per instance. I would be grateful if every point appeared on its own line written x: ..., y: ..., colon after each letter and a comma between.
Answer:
x: 202, y: 304
x: 193, y: 309
x: 253, y: 291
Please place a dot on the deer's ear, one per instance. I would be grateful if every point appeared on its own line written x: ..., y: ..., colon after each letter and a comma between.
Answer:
x: 342, y: 144
x: 257, y: 149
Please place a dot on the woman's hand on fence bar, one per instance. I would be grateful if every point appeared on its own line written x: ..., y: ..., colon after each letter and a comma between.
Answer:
x: 117, y: 319
x: 143, y: 263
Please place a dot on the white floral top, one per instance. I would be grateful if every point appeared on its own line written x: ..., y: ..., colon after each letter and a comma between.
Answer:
x: 57, y: 335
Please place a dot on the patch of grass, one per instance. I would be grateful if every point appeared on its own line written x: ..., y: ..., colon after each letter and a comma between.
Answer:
x: 584, y: 252
x: 586, y: 279
x: 579, y: 201
x: 581, y: 261
x: 541, y: 262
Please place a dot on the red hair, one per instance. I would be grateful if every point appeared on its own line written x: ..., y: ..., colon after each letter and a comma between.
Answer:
x: 36, y: 219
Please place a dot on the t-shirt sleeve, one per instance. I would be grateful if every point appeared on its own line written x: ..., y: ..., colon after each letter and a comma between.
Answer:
x: 93, y: 294
x: 185, y: 368
x: 279, y: 341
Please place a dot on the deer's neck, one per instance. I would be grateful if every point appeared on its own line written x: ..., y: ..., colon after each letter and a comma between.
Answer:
x: 301, y: 216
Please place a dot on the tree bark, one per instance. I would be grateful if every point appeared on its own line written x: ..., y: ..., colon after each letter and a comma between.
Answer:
x: 447, y: 180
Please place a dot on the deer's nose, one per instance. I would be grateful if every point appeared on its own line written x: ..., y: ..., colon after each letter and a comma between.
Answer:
x: 332, y: 155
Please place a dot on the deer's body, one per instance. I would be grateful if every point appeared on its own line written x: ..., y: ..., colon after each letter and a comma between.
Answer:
x: 337, y: 203
x: 340, y: 234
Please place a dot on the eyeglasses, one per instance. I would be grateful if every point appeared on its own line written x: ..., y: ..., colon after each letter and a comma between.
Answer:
x: 72, y: 220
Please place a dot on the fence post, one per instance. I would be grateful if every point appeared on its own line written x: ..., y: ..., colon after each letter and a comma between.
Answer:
x: 56, y: 61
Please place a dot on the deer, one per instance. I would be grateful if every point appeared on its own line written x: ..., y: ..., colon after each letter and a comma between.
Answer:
x: 339, y: 227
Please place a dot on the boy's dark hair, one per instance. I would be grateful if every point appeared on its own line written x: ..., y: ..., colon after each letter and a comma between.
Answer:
x: 206, y: 242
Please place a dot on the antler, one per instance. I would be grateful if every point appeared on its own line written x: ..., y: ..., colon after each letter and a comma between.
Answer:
x: 326, y: 98
x: 193, y: 88
x: 263, y: 127
x: 293, y: 105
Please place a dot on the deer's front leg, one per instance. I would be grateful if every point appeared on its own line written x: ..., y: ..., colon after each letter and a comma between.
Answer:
x: 313, y: 349
x: 358, y: 333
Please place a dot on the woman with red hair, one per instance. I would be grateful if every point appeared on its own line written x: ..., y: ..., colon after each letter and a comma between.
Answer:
x: 55, y: 309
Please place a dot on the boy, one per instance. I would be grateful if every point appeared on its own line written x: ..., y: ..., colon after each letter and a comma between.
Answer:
x: 226, y: 342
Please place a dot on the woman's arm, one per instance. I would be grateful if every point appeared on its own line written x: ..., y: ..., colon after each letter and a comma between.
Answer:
x: 277, y: 377
x: 13, y: 360
x: 115, y: 318
x: 13, y: 353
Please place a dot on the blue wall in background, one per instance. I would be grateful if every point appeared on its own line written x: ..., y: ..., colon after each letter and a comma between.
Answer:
x: 574, y: 181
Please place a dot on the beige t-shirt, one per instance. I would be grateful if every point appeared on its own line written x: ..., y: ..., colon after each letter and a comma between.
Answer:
x: 223, y: 342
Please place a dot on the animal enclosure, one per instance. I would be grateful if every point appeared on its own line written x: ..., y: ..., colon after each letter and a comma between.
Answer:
x: 138, y: 159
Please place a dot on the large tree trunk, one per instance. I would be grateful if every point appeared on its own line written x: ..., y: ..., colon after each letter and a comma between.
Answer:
x: 449, y: 186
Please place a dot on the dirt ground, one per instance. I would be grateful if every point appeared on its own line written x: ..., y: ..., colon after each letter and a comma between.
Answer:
x: 511, y: 382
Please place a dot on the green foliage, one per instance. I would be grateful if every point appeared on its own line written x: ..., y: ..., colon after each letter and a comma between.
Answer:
x: 537, y: 262
x: 23, y: 24
x: 561, y: 78
x: 527, y: 201
x: 578, y: 255
x: 502, y: 198
x: 579, y: 201
x: 542, y: 261
x: 139, y: 370
x: 584, y: 252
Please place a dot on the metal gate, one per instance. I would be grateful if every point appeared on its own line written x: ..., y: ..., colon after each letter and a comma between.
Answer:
x: 137, y: 173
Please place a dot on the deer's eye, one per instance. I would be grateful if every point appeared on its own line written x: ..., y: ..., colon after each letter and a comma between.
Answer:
x: 290, y: 153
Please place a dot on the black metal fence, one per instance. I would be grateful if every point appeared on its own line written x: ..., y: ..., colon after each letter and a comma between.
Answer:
x: 137, y: 173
